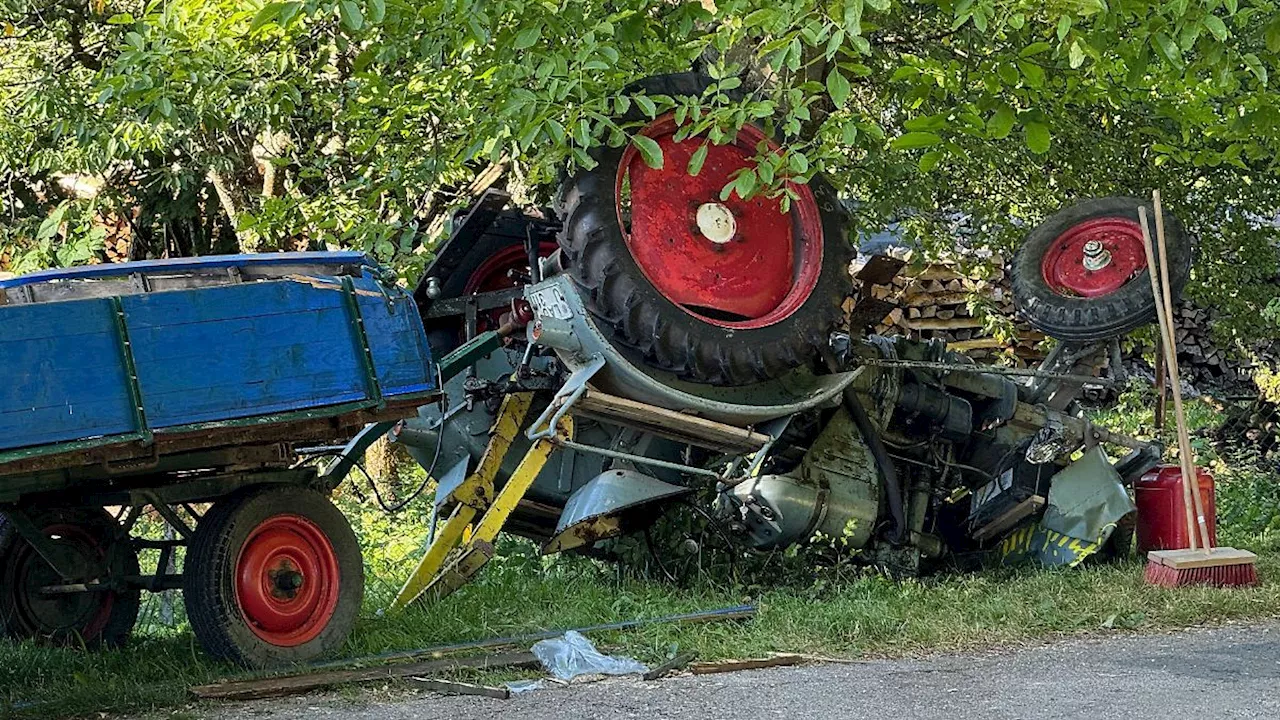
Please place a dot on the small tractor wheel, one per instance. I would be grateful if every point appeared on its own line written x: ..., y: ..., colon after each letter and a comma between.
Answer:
x: 497, y: 261
x: 1082, y: 274
x: 715, y: 290
x: 100, y: 550
x: 273, y: 576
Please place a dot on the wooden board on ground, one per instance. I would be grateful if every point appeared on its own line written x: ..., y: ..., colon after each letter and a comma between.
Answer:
x: 297, y: 684
x: 722, y: 666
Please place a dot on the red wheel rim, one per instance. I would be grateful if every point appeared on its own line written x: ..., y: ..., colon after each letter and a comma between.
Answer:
x: 1095, y: 258
x: 760, y: 271
x: 501, y: 271
x: 287, y: 580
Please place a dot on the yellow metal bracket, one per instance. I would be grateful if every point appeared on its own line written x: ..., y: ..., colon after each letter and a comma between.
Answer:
x: 463, y: 546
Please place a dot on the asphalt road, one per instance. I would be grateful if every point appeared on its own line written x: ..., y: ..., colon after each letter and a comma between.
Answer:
x: 1231, y: 672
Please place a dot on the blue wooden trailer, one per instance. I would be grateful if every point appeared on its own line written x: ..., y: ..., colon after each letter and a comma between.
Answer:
x: 189, y: 387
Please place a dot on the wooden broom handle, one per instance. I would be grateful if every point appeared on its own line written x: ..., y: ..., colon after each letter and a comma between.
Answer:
x: 1166, y: 347
x: 1184, y: 438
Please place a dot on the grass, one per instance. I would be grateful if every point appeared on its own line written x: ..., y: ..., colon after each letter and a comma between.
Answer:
x: 862, y: 616
x: 854, y: 615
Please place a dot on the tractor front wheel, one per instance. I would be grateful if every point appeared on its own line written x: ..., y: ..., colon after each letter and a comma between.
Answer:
x: 273, y: 576
x: 1081, y: 276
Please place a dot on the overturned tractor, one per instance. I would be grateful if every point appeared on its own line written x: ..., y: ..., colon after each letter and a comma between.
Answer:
x: 648, y: 345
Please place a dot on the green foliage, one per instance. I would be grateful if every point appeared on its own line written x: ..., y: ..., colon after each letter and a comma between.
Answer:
x: 368, y: 114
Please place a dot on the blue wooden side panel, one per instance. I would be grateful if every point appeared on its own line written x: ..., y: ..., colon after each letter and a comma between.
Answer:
x: 203, y: 355
x: 397, y: 341
x: 61, y: 374
x: 240, y: 350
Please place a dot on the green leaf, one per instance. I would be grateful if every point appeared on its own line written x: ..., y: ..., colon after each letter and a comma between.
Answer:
x: 649, y: 151
x: 126, y: 19
x: 1167, y: 48
x: 879, y: 5
x: 646, y: 106
x: 165, y: 106
x: 527, y: 37
x: 51, y: 224
x: 1075, y: 55
x: 1064, y: 27
x: 699, y: 157
x: 582, y: 133
x: 930, y: 160
x: 583, y: 159
x: 1255, y: 65
x: 1034, y: 48
x: 352, y: 16
x: 1033, y: 73
x: 556, y: 130
x: 377, y: 10
x: 1037, y: 137
x: 913, y: 140
x: 1001, y: 122
x: 1215, y: 26
x: 267, y: 14
x: 837, y: 88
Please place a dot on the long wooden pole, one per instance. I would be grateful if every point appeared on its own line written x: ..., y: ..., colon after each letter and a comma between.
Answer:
x: 1167, y: 348
x: 1189, y: 474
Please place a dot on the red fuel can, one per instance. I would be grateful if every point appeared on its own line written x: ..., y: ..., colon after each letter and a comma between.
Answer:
x: 1162, y: 521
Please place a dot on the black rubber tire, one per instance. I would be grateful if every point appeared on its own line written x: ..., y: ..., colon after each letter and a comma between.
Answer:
x: 1078, y: 319
x: 16, y: 556
x: 667, y: 337
x: 208, y: 580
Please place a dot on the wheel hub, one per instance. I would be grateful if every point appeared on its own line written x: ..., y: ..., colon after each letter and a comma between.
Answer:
x: 1095, y: 258
x: 716, y: 223
x: 287, y: 580
x: 729, y: 261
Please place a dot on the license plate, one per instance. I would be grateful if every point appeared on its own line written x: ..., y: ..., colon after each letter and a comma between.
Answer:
x: 550, y: 302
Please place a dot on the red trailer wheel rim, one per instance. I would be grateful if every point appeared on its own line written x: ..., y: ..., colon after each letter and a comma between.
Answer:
x: 1095, y: 258
x: 733, y: 263
x: 287, y: 580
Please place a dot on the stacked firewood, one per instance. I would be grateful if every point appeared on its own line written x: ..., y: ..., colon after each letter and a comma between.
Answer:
x: 942, y: 301
x: 1203, y: 362
x: 116, y: 244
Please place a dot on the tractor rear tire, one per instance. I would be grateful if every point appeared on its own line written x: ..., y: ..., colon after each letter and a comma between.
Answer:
x: 1058, y: 295
x: 678, y: 338
x: 95, y: 619
x: 274, y: 576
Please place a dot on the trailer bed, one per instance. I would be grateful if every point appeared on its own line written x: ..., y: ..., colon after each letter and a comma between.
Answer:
x: 110, y: 362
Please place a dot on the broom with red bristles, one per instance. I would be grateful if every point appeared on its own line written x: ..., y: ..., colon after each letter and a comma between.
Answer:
x: 1201, y: 564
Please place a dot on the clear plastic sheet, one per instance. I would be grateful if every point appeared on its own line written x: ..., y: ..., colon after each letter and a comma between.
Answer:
x: 572, y: 655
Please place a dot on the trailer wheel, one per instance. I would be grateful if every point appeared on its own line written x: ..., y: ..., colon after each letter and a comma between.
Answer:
x: 1081, y: 276
x: 101, y: 550
x: 718, y: 290
x: 273, y: 576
